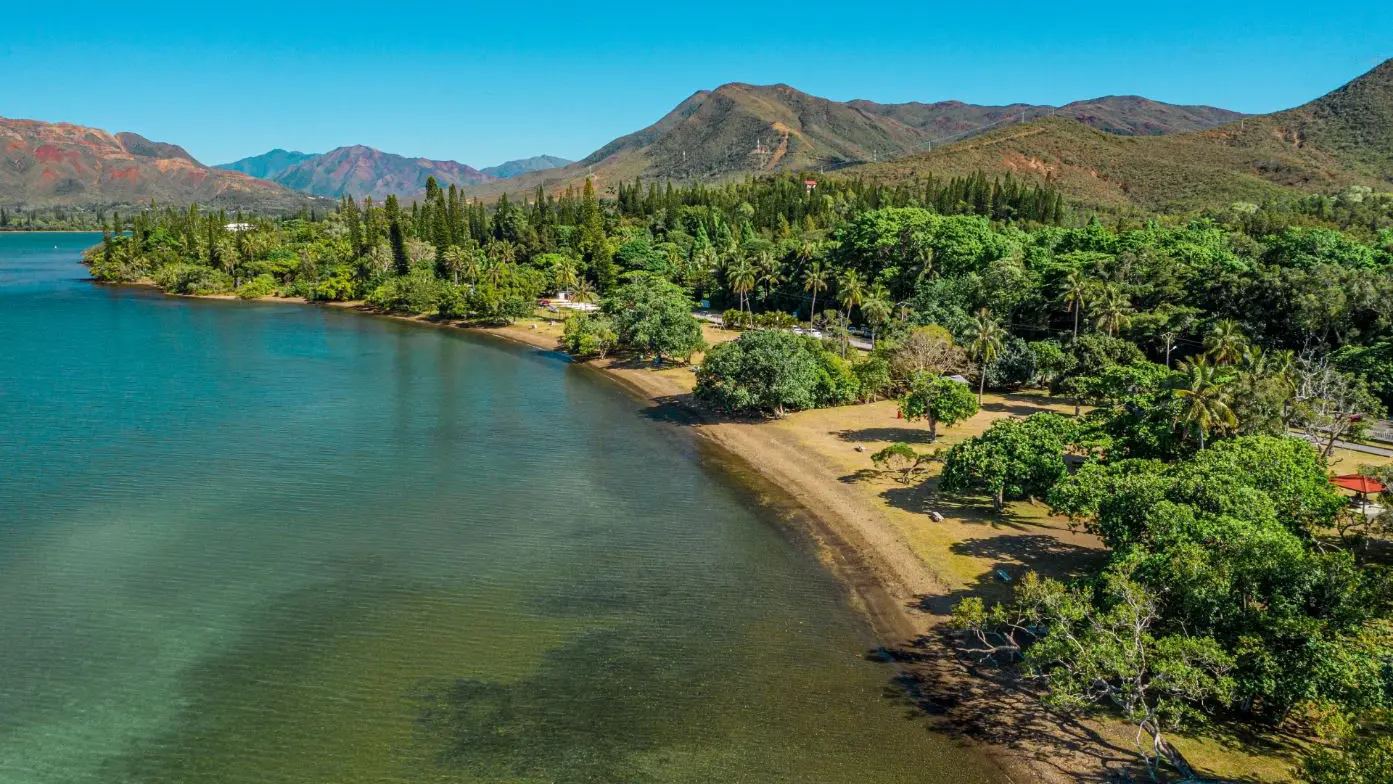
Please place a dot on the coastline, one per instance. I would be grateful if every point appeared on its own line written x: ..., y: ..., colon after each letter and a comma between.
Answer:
x: 902, y: 597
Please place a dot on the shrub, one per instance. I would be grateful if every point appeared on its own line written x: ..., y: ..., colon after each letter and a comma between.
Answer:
x: 735, y: 319
x: 873, y: 378
x: 416, y: 293
x: 257, y: 287
x: 775, y: 319
x: 192, y: 279
x: 589, y: 335
x: 901, y: 460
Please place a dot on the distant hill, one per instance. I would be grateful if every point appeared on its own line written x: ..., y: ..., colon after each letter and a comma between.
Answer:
x: 509, y: 169
x: 64, y: 165
x: 363, y: 171
x: 740, y: 129
x: 1340, y: 139
x: 1124, y: 115
x: 268, y: 165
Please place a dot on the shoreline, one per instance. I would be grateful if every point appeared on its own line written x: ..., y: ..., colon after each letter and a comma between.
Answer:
x: 886, y: 582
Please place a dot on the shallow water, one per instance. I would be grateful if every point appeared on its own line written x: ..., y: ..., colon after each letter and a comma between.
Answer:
x: 268, y: 543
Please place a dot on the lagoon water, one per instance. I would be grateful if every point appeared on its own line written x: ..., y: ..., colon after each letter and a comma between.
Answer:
x: 261, y: 543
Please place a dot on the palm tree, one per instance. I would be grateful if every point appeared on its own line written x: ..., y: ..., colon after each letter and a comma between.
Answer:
x: 851, y: 290
x: 1113, y: 310
x: 474, y: 262
x: 585, y: 291
x: 566, y: 277
x: 988, y: 338
x: 495, y: 272
x: 877, y: 308
x: 741, y: 276
x: 1202, y: 400
x: 455, y: 258
x: 924, y: 260
x: 1076, y: 289
x: 814, y: 280
x: 1226, y: 344
x: 769, y: 276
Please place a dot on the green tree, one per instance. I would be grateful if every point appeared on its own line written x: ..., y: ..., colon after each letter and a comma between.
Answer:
x: 1113, y: 308
x: 654, y: 318
x: 1076, y: 289
x: 396, y: 236
x: 851, y: 290
x: 815, y: 279
x: 589, y: 335
x: 1226, y: 344
x: 987, y: 341
x: 900, y: 460
x: 1099, y: 643
x: 938, y: 399
x: 762, y: 372
x: 876, y: 309
x: 1012, y: 459
x: 1362, y: 760
x: 1203, y: 400
x: 741, y: 276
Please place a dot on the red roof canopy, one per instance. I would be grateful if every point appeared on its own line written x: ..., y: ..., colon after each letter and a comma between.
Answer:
x: 1359, y: 484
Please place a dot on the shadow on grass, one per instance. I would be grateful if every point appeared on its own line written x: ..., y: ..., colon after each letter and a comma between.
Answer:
x: 908, y: 435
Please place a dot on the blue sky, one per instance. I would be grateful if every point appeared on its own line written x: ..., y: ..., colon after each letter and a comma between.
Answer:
x: 483, y: 83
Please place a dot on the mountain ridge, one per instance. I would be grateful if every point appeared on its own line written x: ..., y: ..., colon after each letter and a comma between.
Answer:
x: 739, y: 128
x: 1337, y: 140
x: 46, y: 164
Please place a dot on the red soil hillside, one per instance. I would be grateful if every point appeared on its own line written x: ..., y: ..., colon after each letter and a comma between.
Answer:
x: 61, y: 164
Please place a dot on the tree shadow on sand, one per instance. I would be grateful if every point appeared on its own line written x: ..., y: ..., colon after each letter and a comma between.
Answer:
x: 991, y: 705
x: 908, y: 435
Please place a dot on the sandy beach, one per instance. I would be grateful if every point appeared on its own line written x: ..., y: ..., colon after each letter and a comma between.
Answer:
x: 903, y: 569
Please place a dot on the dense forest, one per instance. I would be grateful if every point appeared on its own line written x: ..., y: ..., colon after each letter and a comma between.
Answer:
x: 1239, y: 584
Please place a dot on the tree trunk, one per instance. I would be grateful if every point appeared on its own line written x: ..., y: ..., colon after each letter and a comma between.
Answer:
x: 999, y: 499
x: 1164, y: 750
x: 933, y: 430
x: 1076, y: 320
x: 982, y: 385
x: 812, y: 311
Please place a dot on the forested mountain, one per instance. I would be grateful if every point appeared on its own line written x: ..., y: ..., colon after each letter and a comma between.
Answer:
x: 741, y: 128
x: 1344, y: 138
x: 524, y: 165
x: 363, y: 171
x: 268, y: 165
x: 65, y: 165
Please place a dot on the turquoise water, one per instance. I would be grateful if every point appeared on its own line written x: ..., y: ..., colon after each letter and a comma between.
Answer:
x: 271, y: 543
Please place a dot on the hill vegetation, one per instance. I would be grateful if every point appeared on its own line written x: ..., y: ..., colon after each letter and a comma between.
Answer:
x: 742, y: 129
x: 1341, y: 140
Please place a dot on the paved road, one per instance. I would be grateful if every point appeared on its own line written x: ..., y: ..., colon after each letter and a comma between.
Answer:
x: 1368, y: 449
x: 715, y: 318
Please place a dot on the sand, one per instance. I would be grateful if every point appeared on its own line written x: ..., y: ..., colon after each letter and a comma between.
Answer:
x: 901, y: 568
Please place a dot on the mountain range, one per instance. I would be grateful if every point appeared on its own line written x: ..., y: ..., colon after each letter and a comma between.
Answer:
x: 1343, y: 138
x: 1116, y: 152
x: 741, y: 128
x: 364, y: 171
x: 61, y: 164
